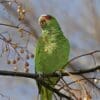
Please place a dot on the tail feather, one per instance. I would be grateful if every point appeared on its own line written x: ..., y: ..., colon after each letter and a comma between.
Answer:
x: 45, y: 94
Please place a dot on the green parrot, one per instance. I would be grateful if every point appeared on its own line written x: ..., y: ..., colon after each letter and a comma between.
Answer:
x: 52, y: 52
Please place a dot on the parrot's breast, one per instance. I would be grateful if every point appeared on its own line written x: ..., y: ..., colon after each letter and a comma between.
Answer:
x: 50, y: 47
x: 52, y: 52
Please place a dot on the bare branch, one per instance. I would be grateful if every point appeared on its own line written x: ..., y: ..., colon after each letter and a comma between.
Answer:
x: 90, y: 53
x: 35, y: 76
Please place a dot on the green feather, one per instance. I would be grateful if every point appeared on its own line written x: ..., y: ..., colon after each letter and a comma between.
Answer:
x: 52, y: 50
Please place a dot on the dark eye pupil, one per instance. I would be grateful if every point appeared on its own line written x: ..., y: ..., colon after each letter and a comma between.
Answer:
x: 43, y: 22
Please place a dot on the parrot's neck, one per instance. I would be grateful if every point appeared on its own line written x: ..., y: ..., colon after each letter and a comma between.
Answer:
x: 52, y: 31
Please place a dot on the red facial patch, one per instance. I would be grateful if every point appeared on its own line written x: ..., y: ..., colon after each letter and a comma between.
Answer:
x: 48, y: 17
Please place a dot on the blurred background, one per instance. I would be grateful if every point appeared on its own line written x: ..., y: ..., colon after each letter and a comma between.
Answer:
x: 79, y: 20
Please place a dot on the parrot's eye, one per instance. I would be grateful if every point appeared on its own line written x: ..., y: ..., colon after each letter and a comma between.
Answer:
x: 42, y: 23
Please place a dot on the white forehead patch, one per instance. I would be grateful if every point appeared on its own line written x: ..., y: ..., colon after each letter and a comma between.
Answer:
x: 42, y: 16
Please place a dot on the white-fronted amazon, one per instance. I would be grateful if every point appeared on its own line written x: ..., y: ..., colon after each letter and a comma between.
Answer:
x: 52, y: 51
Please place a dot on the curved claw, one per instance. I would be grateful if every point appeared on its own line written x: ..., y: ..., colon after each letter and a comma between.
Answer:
x: 59, y: 72
x: 40, y: 74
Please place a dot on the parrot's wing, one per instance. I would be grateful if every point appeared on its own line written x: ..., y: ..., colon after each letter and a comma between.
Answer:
x: 38, y: 52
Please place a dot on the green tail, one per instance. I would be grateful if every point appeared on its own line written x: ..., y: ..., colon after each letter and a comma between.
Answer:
x: 45, y: 94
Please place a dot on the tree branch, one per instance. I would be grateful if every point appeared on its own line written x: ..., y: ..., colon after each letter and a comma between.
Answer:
x: 53, y: 89
x: 87, y: 54
x: 35, y: 76
x: 40, y: 80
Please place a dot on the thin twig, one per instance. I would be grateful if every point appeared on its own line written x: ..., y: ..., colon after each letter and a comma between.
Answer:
x: 82, y: 80
x: 53, y: 89
x: 90, y: 53
x: 13, y: 26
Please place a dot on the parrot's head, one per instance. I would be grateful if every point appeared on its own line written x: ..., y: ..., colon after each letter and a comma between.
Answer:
x: 48, y: 22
